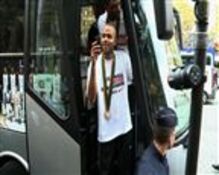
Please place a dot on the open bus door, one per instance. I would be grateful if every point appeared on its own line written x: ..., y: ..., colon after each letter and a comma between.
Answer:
x: 55, y: 138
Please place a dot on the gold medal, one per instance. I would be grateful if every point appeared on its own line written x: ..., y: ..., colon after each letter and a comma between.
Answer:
x: 107, y: 115
x: 107, y: 91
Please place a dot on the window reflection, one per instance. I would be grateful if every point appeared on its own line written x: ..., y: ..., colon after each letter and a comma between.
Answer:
x: 12, y: 113
x: 11, y: 26
x: 47, y: 73
x: 150, y: 67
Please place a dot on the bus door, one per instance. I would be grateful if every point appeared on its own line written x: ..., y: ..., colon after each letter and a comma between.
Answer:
x: 55, y: 139
x: 137, y: 93
x: 157, y: 59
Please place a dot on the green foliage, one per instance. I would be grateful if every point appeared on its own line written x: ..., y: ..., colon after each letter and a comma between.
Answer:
x: 214, y: 30
x: 186, y: 12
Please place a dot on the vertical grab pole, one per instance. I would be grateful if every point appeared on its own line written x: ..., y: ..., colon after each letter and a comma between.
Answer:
x: 201, y: 14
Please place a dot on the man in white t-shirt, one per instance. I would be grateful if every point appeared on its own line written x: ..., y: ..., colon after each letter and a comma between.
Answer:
x: 109, y: 75
x: 114, y: 13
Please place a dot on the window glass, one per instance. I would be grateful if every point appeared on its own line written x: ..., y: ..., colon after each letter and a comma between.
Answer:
x: 159, y: 57
x: 149, y: 61
x: 11, y: 26
x: 181, y: 99
x: 47, y: 76
x: 151, y: 74
x: 11, y: 65
x: 190, y: 59
x: 88, y: 29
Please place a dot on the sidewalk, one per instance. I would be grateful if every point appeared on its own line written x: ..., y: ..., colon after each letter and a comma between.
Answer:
x: 208, y: 148
x: 209, y: 143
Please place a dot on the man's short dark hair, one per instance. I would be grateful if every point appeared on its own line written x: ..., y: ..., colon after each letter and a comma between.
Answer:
x: 111, y: 1
x: 165, y: 122
x: 112, y: 24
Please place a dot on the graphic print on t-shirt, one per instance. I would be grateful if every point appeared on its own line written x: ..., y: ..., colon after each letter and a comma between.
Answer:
x: 118, y: 82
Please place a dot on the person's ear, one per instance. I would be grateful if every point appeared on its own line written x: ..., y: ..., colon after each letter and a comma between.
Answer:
x: 172, y: 139
x: 169, y: 142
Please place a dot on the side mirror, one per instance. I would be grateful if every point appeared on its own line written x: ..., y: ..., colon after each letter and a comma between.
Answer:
x: 164, y: 18
x: 185, y: 77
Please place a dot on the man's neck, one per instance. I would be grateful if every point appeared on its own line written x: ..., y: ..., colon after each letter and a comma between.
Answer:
x: 109, y: 55
x: 162, y: 149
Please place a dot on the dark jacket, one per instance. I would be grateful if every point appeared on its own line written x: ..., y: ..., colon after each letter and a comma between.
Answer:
x: 152, y: 163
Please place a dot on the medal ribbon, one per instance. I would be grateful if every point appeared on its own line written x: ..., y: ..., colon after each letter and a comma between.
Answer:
x: 108, y: 94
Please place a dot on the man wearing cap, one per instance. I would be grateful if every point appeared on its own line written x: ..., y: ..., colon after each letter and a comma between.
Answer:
x: 153, y: 160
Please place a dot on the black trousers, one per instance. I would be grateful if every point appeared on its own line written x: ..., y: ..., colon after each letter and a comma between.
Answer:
x: 115, y: 157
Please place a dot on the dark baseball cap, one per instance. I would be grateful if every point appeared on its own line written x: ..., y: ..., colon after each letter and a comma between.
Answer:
x: 166, y: 117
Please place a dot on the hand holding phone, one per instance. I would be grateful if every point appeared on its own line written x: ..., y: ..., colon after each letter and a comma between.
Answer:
x: 95, y: 50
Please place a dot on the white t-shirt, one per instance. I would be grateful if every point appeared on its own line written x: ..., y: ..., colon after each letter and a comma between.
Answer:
x: 120, y: 119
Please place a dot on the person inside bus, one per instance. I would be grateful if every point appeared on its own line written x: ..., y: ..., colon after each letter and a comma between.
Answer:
x: 114, y: 13
x: 93, y: 33
x: 109, y: 74
x: 153, y: 160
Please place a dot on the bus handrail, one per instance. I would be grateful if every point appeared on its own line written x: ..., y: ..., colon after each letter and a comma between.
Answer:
x: 12, y: 54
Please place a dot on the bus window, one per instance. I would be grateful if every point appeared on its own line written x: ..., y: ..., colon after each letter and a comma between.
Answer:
x: 11, y: 28
x: 13, y: 135
x: 11, y: 64
x: 47, y: 73
x: 52, y: 96
x: 152, y: 76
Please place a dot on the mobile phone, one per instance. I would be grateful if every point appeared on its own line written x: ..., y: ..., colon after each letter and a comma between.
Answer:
x: 97, y: 38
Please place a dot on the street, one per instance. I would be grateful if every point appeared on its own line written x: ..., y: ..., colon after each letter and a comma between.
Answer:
x: 209, y: 144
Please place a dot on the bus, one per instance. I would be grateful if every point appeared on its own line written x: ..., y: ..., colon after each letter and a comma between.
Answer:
x: 56, y: 133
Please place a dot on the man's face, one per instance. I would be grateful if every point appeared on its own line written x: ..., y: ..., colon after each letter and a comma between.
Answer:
x: 113, y: 6
x: 113, y: 9
x: 108, y: 38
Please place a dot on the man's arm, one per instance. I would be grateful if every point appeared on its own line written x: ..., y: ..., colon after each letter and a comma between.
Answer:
x: 91, y: 78
x: 91, y: 85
